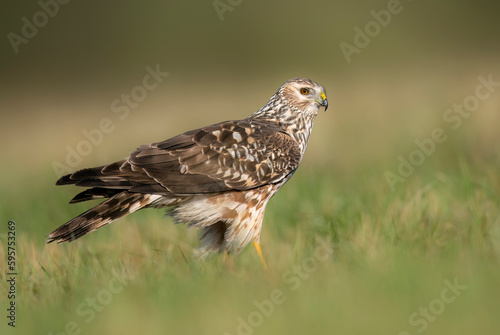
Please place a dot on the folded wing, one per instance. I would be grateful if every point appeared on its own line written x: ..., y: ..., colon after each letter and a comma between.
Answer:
x: 232, y: 155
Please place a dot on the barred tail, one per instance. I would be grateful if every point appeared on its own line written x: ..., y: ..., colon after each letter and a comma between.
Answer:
x: 101, y: 215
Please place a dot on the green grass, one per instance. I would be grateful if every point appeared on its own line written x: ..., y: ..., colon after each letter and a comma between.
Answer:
x: 392, y: 252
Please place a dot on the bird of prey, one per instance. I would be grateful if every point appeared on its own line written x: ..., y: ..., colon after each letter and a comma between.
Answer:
x: 217, y: 179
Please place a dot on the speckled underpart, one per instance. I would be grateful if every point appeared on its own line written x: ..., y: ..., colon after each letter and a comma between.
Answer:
x: 218, y: 178
x: 228, y: 221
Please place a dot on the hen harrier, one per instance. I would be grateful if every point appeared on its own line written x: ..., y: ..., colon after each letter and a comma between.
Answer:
x: 217, y: 178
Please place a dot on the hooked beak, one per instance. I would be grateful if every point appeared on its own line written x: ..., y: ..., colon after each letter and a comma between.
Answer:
x: 323, y: 101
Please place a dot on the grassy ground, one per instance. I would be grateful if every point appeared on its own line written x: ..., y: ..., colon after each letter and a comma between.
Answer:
x: 347, y: 254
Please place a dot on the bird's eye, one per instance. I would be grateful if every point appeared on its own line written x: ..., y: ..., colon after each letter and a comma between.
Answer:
x: 304, y: 91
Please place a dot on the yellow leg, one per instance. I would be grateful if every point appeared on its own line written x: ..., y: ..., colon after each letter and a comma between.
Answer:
x: 261, y: 256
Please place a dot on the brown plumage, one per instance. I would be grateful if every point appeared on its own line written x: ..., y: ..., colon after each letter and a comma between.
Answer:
x: 217, y: 178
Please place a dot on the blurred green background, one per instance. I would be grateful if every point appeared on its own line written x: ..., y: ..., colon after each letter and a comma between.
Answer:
x: 396, y: 89
x: 393, y: 248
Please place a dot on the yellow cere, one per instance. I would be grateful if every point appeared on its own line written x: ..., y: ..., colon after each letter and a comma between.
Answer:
x: 323, y: 96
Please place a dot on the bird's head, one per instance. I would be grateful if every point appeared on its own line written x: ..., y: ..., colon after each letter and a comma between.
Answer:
x: 304, y: 94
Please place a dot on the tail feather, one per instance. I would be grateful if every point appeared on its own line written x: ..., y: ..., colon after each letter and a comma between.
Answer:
x: 74, y: 177
x: 94, y: 193
x: 101, y: 215
x: 118, y: 175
